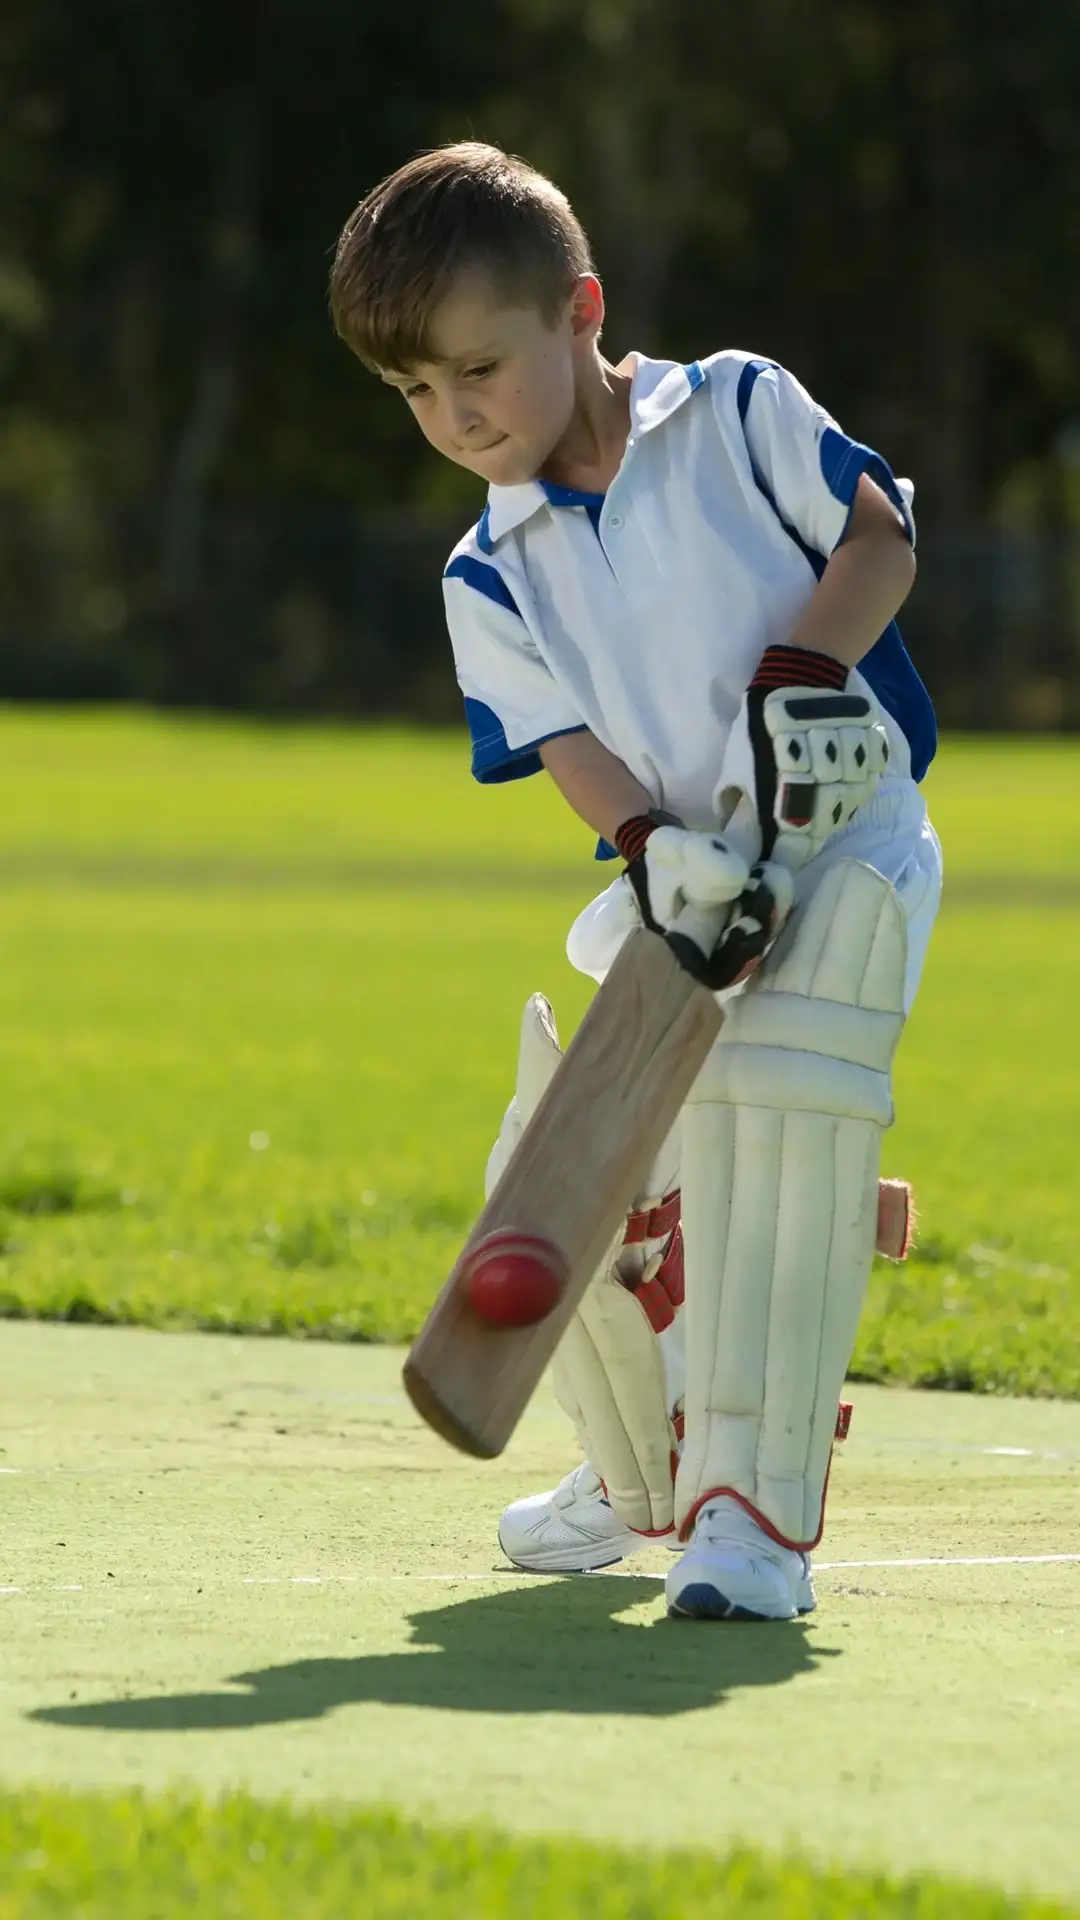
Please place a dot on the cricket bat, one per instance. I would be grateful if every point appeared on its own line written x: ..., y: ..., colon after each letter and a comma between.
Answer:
x: 566, y: 1189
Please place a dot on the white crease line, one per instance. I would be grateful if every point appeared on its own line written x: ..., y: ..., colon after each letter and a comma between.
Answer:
x: 621, y: 1573
x: 498, y: 1574
x: 953, y: 1560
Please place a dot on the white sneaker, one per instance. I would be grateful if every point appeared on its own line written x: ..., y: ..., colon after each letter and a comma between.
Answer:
x: 732, y: 1571
x: 571, y: 1529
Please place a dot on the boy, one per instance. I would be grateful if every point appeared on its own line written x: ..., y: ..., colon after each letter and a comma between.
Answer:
x: 679, y: 601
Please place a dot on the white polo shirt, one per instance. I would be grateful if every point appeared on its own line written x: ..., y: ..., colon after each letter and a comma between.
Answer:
x: 642, y: 613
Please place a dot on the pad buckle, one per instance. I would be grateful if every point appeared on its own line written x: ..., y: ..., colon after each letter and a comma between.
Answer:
x: 662, y: 1291
x: 654, y: 1223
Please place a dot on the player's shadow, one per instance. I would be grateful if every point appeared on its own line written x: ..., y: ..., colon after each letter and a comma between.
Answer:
x: 556, y: 1646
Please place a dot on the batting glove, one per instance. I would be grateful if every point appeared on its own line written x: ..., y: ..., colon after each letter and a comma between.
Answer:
x: 818, y: 751
x: 718, y: 916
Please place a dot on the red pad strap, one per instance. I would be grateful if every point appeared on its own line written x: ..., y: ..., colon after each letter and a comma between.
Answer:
x: 656, y: 1224
x: 895, y: 1219
x: 667, y: 1289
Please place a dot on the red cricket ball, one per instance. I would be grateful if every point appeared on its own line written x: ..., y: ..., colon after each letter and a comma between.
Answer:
x: 514, y: 1279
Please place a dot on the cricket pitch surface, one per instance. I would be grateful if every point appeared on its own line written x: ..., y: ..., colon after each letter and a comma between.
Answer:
x: 229, y: 1561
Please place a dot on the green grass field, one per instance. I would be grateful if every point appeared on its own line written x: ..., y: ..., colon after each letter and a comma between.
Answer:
x: 125, y: 1860
x: 259, y: 998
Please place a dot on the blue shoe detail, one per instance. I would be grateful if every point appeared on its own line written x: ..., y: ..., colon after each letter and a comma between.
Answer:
x: 702, y: 1602
x: 556, y: 1573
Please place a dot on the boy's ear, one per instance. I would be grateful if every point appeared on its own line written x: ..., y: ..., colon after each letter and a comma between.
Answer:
x: 586, y: 307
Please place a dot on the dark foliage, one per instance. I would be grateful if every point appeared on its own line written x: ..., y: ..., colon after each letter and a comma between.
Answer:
x: 203, y: 500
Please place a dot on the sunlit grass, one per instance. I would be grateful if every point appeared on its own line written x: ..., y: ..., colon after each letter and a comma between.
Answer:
x: 267, y: 1102
x: 123, y: 1857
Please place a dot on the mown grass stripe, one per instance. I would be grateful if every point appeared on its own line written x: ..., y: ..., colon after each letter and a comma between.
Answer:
x: 235, y: 1104
x: 107, y: 1857
x: 314, y: 873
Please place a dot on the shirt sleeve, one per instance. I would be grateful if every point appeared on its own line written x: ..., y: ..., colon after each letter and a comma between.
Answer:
x: 804, y: 463
x: 512, y: 701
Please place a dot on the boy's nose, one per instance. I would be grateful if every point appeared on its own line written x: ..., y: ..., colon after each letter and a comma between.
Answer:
x: 463, y: 418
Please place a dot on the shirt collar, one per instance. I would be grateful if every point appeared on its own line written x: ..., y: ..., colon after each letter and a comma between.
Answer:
x: 657, y: 389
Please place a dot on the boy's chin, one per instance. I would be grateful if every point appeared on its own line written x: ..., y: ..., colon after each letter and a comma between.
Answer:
x: 507, y: 465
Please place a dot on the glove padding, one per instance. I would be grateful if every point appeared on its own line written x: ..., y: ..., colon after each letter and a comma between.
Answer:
x: 676, y: 868
x: 717, y: 915
x: 818, y: 757
x: 752, y: 925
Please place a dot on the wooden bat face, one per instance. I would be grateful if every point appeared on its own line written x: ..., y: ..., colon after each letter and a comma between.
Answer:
x: 568, y: 1186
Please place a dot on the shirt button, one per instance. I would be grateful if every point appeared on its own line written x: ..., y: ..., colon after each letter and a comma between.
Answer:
x: 615, y: 521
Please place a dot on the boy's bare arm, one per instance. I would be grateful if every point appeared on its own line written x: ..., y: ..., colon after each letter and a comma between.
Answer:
x: 594, y: 782
x: 866, y: 581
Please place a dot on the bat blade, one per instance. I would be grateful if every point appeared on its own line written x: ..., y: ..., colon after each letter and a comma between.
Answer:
x: 572, y: 1179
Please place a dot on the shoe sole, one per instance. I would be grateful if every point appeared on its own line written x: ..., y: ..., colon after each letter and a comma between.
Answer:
x: 595, y: 1566
x: 555, y: 1565
x: 703, y: 1602
x: 592, y: 1566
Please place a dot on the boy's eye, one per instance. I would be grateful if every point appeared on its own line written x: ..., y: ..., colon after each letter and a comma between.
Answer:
x: 481, y: 372
x: 415, y: 393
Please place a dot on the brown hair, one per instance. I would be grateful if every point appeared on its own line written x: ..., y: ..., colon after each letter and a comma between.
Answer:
x: 460, y: 206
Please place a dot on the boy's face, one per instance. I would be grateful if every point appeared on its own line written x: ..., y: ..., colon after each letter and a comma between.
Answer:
x: 500, y: 395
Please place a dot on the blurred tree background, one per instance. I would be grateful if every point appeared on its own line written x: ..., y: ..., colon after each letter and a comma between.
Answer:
x: 205, y: 501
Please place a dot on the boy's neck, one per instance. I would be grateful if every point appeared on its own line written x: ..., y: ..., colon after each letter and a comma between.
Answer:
x: 590, y: 452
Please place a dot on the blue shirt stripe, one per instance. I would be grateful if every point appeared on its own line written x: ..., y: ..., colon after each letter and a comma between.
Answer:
x: 484, y: 579
x: 493, y: 759
x: 593, y: 503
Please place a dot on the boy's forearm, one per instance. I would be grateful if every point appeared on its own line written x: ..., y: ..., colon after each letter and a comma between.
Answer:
x: 601, y: 790
x: 867, y: 579
x: 863, y: 586
x: 861, y: 590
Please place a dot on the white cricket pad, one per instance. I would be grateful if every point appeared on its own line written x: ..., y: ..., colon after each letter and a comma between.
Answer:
x: 609, y: 1374
x: 780, y: 1148
x: 609, y: 1377
x: 539, y: 1055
